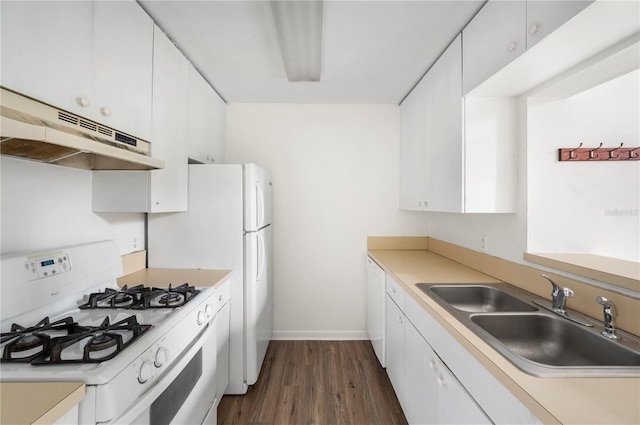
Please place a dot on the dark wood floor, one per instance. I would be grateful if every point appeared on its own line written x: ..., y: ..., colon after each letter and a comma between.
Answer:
x: 316, y: 382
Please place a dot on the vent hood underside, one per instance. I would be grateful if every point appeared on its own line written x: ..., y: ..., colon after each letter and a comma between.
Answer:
x: 28, y: 132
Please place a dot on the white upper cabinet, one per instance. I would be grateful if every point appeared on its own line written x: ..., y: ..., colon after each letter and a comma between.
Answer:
x: 207, y: 121
x: 452, y: 159
x: 445, y: 141
x: 495, y: 37
x: 413, y: 133
x: 168, y: 187
x: 503, y: 30
x: 79, y: 56
x: 122, y: 67
x: 47, y: 51
x: 162, y: 190
x: 543, y: 17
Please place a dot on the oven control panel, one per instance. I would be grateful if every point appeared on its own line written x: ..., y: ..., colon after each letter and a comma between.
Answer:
x: 47, y: 265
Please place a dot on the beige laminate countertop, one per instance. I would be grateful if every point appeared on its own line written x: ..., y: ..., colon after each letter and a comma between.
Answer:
x: 163, y: 277
x: 38, y: 402
x: 552, y: 400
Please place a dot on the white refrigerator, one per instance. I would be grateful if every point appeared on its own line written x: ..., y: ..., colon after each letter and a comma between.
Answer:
x: 227, y: 226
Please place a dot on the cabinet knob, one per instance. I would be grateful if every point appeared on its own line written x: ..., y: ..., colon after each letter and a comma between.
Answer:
x: 432, y: 364
x: 441, y: 382
x: 106, y: 111
x: 399, y: 320
x: 83, y: 101
x: 512, y: 46
x: 534, y: 28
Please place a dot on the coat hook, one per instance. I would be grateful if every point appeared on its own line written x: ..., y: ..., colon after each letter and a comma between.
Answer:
x: 591, y: 152
x: 571, y: 155
x: 611, y: 155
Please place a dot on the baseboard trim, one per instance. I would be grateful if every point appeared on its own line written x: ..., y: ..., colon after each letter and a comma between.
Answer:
x: 319, y: 335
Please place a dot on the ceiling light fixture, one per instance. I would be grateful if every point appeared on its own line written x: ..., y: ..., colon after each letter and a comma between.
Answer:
x: 299, y: 27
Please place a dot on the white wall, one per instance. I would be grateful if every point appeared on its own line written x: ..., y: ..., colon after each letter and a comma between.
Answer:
x: 587, y: 207
x: 45, y: 206
x: 335, y: 182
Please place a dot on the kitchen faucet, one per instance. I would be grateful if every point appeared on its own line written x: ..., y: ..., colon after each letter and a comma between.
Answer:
x: 559, y: 296
x: 559, y: 302
x: 610, y: 312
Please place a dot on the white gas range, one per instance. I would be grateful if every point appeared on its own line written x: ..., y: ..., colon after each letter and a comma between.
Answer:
x: 147, y: 355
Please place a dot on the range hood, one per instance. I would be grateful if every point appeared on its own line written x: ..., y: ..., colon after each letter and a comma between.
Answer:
x: 34, y: 130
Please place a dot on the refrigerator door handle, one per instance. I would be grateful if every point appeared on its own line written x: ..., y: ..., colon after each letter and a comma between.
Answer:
x: 259, y: 206
x: 261, y: 252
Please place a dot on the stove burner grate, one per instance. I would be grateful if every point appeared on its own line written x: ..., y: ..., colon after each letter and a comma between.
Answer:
x: 101, y: 342
x: 26, y: 344
x: 141, y: 298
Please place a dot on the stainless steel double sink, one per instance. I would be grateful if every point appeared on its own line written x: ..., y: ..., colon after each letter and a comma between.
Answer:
x: 533, y: 339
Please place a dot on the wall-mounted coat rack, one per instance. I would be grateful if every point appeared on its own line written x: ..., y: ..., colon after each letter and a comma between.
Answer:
x: 599, y: 154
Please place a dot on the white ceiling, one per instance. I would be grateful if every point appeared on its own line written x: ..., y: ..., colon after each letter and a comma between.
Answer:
x: 372, y: 51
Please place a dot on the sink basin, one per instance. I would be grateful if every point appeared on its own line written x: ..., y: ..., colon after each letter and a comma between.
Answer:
x: 555, y: 341
x: 537, y: 341
x: 477, y: 298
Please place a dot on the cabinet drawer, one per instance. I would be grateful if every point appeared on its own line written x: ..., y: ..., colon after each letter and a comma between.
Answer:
x: 395, y: 291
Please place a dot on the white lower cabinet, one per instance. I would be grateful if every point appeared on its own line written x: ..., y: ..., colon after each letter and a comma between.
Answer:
x: 428, y: 392
x: 472, y: 381
x: 436, y: 380
x: 395, y: 348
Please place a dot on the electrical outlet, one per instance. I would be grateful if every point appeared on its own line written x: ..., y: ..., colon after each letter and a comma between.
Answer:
x: 483, y: 243
x: 134, y: 243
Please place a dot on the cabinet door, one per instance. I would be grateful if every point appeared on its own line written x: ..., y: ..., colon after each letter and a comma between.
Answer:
x: 168, y: 190
x: 413, y: 136
x: 420, y: 390
x: 544, y: 17
x: 455, y: 405
x: 207, y: 121
x: 444, y: 132
x: 122, y: 66
x: 47, y: 51
x: 395, y: 349
x: 376, y: 319
x: 493, y: 38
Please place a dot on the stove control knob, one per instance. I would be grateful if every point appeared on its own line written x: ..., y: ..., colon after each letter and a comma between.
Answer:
x: 209, y: 310
x: 202, y: 318
x: 146, y: 372
x: 162, y: 357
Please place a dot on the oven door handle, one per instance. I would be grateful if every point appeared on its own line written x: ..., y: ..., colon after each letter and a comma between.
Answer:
x: 145, y: 401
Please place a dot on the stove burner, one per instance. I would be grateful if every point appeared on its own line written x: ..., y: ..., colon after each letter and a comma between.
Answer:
x: 26, y: 344
x: 171, y: 299
x: 140, y: 297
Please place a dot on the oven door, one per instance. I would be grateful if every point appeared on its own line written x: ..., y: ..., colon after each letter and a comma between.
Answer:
x: 185, y: 394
